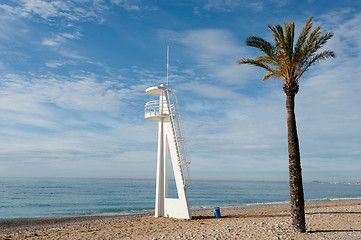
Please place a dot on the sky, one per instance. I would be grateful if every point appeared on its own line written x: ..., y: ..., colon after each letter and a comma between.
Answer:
x: 73, y: 75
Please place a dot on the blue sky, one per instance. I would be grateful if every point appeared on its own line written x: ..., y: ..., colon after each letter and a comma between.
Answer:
x: 73, y: 76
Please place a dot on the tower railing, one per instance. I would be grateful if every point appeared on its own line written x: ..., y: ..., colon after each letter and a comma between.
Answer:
x: 155, y: 108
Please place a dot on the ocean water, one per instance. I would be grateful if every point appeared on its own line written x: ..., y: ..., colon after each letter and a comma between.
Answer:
x: 33, y: 198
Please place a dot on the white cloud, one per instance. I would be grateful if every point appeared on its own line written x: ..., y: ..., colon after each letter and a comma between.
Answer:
x: 211, y: 43
x: 70, y: 53
x: 11, y: 29
x: 234, y: 5
x: 129, y: 5
x: 61, y: 38
x: 83, y: 93
x: 209, y: 91
x: 43, y: 8
x: 54, y: 121
x: 54, y: 64
x: 49, y: 10
x: 70, y: 10
x: 50, y: 42
x: 224, y: 5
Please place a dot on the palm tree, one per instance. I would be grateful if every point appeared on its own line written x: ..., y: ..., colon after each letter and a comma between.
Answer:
x: 288, y: 61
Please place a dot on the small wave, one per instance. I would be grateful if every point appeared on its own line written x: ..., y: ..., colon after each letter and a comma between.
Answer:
x: 348, y: 198
x: 267, y: 203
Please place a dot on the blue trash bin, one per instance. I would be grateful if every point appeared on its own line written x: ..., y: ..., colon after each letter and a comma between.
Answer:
x: 217, y: 212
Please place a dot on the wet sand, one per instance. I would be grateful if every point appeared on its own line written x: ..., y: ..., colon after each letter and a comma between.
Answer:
x: 338, y: 219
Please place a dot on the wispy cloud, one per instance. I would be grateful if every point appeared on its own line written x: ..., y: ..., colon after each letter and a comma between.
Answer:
x: 234, y: 5
x: 70, y: 10
x: 50, y: 120
x: 54, y: 64
x: 48, y: 10
x: 231, y: 5
x: 209, y: 91
x: 130, y: 5
x: 61, y: 38
x: 80, y: 92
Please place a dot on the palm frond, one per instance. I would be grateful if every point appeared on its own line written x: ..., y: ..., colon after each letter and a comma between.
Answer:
x: 288, y: 47
x: 309, y: 47
x: 270, y: 74
x: 317, y: 45
x: 289, y: 38
x: 322, y: 40
x: 262, y: 45
x: 255, y: 63
x: 302, y: 38
x: 318, y: 57
x: 277, y: 32
x: 267, y: 60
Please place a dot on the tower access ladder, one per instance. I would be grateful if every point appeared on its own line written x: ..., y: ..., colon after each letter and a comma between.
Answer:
x: 178, y: 133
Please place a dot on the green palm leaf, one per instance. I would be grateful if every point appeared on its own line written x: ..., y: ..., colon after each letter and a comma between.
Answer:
x: 285, y: 59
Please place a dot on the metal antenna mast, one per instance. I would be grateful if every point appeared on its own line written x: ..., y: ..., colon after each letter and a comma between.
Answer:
x: 167, y: 64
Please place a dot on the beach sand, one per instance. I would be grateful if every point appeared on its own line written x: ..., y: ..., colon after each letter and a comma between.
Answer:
x: 337, y: 219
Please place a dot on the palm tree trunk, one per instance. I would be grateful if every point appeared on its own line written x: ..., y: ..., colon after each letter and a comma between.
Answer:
x: 295, y: 171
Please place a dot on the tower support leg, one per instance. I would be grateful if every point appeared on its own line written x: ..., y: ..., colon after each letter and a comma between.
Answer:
x: 175, y: 207
x: 159, y: 197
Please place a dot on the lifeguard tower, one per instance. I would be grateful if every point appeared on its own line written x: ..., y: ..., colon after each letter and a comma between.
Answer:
x: 170, y: 140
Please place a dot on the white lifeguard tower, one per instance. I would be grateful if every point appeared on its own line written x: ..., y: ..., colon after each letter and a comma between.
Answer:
x: 170, y: 140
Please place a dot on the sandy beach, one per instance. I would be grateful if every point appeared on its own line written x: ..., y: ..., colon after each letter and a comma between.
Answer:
x: 337, y: 219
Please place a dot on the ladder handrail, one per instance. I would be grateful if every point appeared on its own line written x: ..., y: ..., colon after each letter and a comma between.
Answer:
x: 184, y: 146
x: 180, y: 126
x: 176, y: 124
x: 171, y: 117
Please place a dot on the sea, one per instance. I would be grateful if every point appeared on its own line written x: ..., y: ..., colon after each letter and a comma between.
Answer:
x: 39, y: 198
